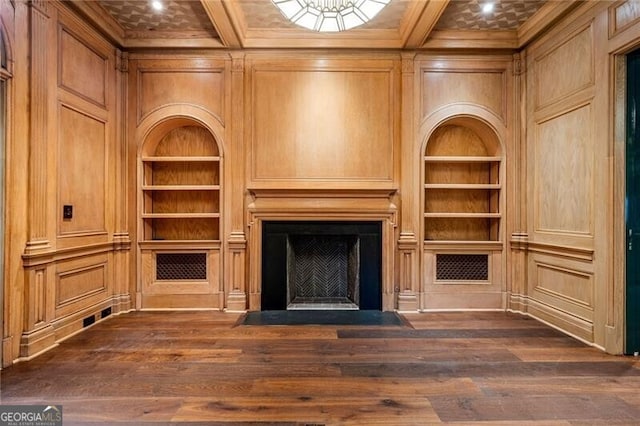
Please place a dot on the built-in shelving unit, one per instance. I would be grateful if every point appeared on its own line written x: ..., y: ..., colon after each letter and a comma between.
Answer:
x: 462, y: 214
x: 181, y: 187
x: 461, y: 187
x: 180, y: 191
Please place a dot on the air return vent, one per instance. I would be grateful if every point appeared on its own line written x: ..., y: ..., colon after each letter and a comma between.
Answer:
x: 181, y: 266
x: 462, y: 267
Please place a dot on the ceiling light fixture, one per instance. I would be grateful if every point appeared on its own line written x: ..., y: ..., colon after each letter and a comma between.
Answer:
x: 330, y: 15
x: 157, y: 5
x: 487, y: 8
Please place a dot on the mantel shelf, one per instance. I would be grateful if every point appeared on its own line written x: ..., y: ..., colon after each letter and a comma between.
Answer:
x: 461, y: 159
x: 179, y: 215
x: 181, y: 159
x: 462, y: 186
x: 463, y: 215
x: 181, y: 187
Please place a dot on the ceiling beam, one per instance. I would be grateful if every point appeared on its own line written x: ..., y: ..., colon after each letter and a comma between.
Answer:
x: 94, y: 13
x: 427, y: 20
x: 222, y: 22
x: 544, y: 18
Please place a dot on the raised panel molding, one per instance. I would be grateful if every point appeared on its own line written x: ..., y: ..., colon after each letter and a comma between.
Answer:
x: 565, y: 69
x: 564, y: 173
x: 572, y: 286
x: 321, y: 124
x: 158, y: 87
x: 81, y: 70
x: 623, y: 15
x: 82, y: 177
x: 441, y: 87
x: 78, y: 283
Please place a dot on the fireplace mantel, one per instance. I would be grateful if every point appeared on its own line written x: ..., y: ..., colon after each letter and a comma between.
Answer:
x: 313, y: 204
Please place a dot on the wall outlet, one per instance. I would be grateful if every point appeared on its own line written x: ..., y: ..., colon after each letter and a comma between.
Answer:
x: 67, y: 211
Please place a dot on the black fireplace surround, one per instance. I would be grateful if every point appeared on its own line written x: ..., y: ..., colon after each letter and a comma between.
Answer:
x: 360, y: 265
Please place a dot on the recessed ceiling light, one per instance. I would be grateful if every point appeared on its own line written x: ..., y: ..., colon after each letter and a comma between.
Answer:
x: 157, y: 5
x: 487, y: 8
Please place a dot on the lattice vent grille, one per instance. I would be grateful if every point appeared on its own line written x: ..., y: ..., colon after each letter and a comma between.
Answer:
x: 462, y: 267
x: 181, y: 266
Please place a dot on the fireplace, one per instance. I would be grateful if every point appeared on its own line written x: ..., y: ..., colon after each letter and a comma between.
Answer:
x: 321, y: 265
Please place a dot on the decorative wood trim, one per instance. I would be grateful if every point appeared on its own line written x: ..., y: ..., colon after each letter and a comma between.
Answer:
x: 31, y: 260
x: 320, y: 192
x: 171, y: 40
x: 578, y: 253
x: 469, y: 39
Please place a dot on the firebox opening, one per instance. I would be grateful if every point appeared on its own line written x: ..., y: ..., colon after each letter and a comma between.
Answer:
x: 325, y: 265
x: 323, y: 272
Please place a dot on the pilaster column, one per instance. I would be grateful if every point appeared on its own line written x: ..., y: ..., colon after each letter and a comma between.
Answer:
x: 39, y: 126
x: 409, y: 279
x: 235, y: 267
x: 517, y: 206
x: 121, y: 238
x: 37, y: 332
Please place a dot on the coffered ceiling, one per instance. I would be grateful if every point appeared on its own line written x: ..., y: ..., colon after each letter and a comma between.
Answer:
x: 403, y: 24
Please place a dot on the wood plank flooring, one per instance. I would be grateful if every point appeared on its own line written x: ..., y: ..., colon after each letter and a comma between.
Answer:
x: 205, y: 368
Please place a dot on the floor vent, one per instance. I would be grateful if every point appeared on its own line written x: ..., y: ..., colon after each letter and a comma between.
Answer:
x: 88, y: 321
x: 462, y: 267
x: 105, y: 313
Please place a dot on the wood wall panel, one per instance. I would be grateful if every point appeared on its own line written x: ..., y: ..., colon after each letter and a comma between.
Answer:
x: 323, y: 125
x: 574, y: 286
x: 82, y: 70
x: 82, y: 155
x: 625, y: 15
x: 81, y: 282
x: 564, y: 173
x: 158, y: 87
x: 443, y: 87
x: 566, y: 69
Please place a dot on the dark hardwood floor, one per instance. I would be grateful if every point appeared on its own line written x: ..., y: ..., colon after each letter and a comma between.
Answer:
x: 206, y: 368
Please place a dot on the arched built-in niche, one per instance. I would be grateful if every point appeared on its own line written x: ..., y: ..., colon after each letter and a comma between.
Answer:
x: 462, y: 182
x: 463, y: 262
x: 181, y: 184
x: 180, y: 224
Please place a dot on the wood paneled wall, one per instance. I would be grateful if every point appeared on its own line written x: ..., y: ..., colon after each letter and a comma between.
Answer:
x: 574, y: 235
x: 323, y: 134
x: 74, y: 268
x: 323, y: 121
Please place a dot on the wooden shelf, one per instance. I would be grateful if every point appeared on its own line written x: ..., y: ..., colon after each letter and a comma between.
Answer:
x: 181, y: 187
x: 463, y: 215
x: 461, y: 159
x: 181, y: 159
x: 462, y: 186
x: 180, y: 244
x: 466, y: 245
x: 180, y: 215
